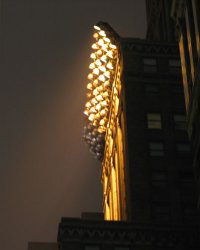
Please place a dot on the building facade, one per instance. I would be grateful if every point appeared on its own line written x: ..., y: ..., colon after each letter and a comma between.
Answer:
x: 146, y: 159
x: 186, y: 15
x: 160, y: 24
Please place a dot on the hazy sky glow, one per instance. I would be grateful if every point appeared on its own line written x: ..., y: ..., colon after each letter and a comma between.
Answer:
x: 46, y: 170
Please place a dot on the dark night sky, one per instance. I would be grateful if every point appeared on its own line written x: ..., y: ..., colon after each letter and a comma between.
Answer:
x: 46, y: 170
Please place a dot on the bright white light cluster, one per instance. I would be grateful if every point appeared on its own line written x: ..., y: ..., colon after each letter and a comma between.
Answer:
x: 101, y: 77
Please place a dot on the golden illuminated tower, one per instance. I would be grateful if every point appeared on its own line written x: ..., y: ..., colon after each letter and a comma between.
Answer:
x: 135, y: 125
x: 103, y: 131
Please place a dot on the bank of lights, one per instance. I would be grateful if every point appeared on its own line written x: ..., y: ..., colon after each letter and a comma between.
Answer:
x: 101, y: 77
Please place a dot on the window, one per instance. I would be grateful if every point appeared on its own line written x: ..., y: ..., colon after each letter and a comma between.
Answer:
x: 161, y: 213
x: 179, y: 121
x: 150, y: 65
x: 91, y: 247
x: 183, y: 148
x: 121, y: 248
x: 174, y: 65
x: 151, y: 88
x: 154, y: 121
x: 159, y: 179
x: 156, y: 149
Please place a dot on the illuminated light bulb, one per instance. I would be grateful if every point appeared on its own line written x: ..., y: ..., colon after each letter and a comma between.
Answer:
x: 86, y: 112
x: 99, y: 52
x: 97, y: 27
x: 89, y: 86
x: 103, y: 112
x: 101, y: 129
x: 93, y: 110
x: 100, y: 88
x: 106, y: 84
x: 96, y: 71
x: 89, y: 95
x: 104, y: 103
x: 103, y: 121
x: 92, y: 66
x: 94, y: 101
x: 106, y: 39
x: 109, y: 54
x: 98, y: 107
x: 95, y: 92
x: 109, y: 65
x: 104, y: 47
x: 105, y: 94
x: 102, y: 33
x: 95, y: 46
x: 107, y: 74
x: 104, y: 58
x: 93, y: 56
x: 102, y: 78
x: 91, y: 117
x: 99, y: 98
x: 97, y: 116
x: 102, y: 68
x: 95, y: 83
x: 90, y: 76
x: 112, y: 46
x: 98, y: 62
x: 95, y: 35
x: 88, y: 105
x: 95, y: 123
x: 101, y: 42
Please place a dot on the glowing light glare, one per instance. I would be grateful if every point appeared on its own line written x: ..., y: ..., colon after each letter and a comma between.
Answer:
x: 101, y: 42
x: 89, y: 86
x: 104, y: 58
x: 91, y: 117
x: 93, y: 110
x: 102, y: 68
x: 86, y: 112
x: 95, y: 46
x: 97, y: 27
x: 92, y: 66
x: 99, y: 98
x: 96, y: 71
x: 88, y: 105
x: 106, y: 39
x: 98, y: 62
x: 102, y: 33
x: 107, y: 74
x: 94, y: 101
x: 99, y: 90
x: 90, y: 76
x: 104, y: 47
x: 95, y: 92
x: 112, y: 46
x: 95, y: 35
x: 99, y: 52
x: 102, y: 78
x: 109, y: 65
x: 98, y: 107
x: 93, y: 56
x: 110, y: 54
x: 95, y: 83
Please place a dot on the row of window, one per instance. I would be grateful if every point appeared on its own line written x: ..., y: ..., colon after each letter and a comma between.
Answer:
x: 150, y: 65
x: 96, y: 247
x: 154, y: 121
x: 157, y: 148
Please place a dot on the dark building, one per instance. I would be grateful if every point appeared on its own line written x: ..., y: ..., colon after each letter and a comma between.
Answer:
x: 79, y: 234
x: 160, y: 24
x: 186, y: 15
x: 135, y: 125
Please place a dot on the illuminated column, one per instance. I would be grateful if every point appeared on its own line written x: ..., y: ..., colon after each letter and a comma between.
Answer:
x: 103, y: 112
